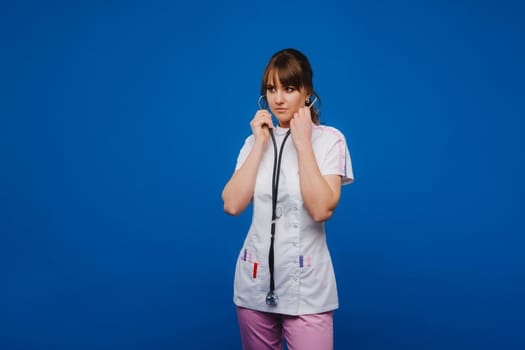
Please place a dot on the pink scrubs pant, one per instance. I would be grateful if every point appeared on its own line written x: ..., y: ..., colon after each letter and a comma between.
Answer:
x: 263, y: 330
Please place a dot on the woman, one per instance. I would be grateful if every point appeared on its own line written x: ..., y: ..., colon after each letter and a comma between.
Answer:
x: 284, y: 280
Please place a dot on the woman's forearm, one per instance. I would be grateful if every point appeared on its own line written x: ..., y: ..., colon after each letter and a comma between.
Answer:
x: 238, y: 192
x: 320, y: 193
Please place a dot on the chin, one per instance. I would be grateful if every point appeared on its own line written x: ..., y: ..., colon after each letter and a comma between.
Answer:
x: 285, y: 121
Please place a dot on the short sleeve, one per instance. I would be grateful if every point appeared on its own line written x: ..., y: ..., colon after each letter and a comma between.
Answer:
x: 244, y: 152
x: 337, y: 158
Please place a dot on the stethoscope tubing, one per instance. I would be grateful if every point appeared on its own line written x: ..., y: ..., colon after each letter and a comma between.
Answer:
x: 271, y: 297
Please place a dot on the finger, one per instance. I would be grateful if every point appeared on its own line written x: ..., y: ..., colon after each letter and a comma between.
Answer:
x: 267, y: 119
x: 265, y: 116
x: 262, y: 112
x: 305, y: 111
x: 262, y: 121
x: 292, y: 123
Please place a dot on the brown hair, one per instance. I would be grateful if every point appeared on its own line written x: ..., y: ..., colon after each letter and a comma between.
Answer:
x: 293, y: 69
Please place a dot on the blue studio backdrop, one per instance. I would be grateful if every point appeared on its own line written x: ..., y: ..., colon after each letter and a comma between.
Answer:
x: 121, y: 121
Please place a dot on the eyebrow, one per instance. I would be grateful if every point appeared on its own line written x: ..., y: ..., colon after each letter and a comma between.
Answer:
x: 268, y: 86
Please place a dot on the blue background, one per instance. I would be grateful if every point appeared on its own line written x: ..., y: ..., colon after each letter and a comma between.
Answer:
x: 121, y: 122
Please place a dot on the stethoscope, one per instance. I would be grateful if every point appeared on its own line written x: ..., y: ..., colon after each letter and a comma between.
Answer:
x: 271, y: 297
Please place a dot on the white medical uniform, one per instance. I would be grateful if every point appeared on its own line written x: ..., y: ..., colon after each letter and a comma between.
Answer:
x: 303, y: 272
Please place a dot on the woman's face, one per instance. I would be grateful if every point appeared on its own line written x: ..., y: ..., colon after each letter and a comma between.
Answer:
x: 284, y: 101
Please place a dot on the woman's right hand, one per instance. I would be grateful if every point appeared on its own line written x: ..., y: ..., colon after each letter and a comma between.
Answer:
x: 260, y: 124
x: 238, y: 192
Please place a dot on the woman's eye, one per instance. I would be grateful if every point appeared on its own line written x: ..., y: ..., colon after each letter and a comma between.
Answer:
x: 290, y: 89
x: 270, y: 88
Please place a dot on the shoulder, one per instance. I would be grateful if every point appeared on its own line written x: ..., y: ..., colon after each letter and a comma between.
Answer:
x: 328, y: 133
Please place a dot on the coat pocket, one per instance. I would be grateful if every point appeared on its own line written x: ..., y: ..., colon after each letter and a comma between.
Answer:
x: 251, y: 274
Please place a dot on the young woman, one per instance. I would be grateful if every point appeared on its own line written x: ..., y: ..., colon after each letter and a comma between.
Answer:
x: 292, y: 172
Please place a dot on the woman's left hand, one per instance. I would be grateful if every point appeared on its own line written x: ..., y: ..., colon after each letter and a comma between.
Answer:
x: 301, y: 128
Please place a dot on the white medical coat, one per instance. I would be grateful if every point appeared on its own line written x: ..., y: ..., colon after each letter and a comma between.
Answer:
x: 303, y: 272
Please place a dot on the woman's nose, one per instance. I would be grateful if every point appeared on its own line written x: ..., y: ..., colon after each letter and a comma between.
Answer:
x: 279, y: 96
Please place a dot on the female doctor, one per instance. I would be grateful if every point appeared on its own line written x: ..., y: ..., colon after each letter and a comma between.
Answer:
x: 284, y: 284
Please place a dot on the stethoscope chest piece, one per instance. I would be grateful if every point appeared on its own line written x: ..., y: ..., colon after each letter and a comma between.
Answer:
x: 271, y: 298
